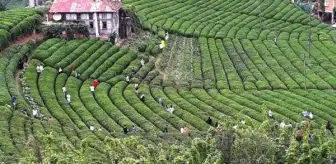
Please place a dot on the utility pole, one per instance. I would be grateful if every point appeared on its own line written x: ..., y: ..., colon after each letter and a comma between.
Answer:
x: 305, y: 72
x: 309, y: 33
x: 95, y: 19
x: 260, y: 18
x: 333, y: 13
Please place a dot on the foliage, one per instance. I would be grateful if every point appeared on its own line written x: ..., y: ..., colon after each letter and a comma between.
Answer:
x: 228, y: 146
x: 224, y: 19
x: 2, y: 7
x: 15, y: 23
x: 56, y: 30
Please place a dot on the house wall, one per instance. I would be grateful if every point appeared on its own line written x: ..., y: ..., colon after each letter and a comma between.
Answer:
x: 329, y: 5
x: 111, y: 20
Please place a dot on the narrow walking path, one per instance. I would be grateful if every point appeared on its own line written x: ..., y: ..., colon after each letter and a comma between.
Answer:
x: 24, y: 39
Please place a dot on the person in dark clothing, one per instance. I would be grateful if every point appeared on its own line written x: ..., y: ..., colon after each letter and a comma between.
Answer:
x: 299, y: 135
x: 14, y: 101
x: 165, y: 129
x: 216, y: 124
x: 329, y: 128
x: 142, y: 98
x: 133, y: 72
x: 209, y: 121
x: 125, y: 130
x: 25, y: 58
x: 24, y: 111
x: 20, y: 64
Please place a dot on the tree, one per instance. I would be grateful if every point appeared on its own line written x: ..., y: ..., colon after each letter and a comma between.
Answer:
x: 56, y: 30
x: 2, y: 7
x: 244, y: 145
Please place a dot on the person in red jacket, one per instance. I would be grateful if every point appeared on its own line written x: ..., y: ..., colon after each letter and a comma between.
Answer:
x: 95, y: 83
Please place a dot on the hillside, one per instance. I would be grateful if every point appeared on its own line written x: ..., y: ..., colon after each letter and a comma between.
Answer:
x: 14, y: 4
x: 221, y: 61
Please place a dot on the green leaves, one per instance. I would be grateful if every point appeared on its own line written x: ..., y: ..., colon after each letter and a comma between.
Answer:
x: 14, y: 23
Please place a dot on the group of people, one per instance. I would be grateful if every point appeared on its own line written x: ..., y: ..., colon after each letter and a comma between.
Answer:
x: 133, y: 129
x: 308, y: 124
x: 163, y: 42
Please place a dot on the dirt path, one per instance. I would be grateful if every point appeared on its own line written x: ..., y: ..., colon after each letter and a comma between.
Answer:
x: 164, y: 75
x: 17, y: 80
x: 25, y: 39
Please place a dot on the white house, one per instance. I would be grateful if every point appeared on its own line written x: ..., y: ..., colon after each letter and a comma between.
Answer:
x: 101, y: 16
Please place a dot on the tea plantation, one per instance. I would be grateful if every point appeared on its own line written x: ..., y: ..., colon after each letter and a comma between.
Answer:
x: 221, y: 61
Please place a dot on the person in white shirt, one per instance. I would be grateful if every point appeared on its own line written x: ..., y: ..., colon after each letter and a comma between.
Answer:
x: 166, y: 36
x: 270, y: 114
x: 127, y: 79
x: 38, y: 70
x: 92, y: 88
x: 91, y: 128
x: 161, y: 46
x: 243, y: 122
x: 142, y: 62
x: 182, y: 130
x: 305, y: 114
x: 289, y: 125
x: 133, y: 128
x: 136, y: 86
x: 77, y: 75
x: 170, y: 110
x: 275, y: 40
x: 35, y: 113
x: 235, y: 127
x: 282, y: 124
x: 160, y: 101
x: 64, y: 90
x: 310, y: 115
x: 68, y: 98
x: 60, y: 70
x: 41, y: 68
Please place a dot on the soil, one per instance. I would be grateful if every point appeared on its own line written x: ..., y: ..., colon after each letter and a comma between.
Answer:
x: 164, y: 75
x: 22, y: 40
x: 25, y: 39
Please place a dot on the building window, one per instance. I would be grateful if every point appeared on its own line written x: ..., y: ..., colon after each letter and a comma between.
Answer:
x: 71, y: 16
x: 104, y: 25
x: 84, y: 16
x: 90, y: 16
x: 106, y: 16
x: 91, y: 24
x: 326, y: 2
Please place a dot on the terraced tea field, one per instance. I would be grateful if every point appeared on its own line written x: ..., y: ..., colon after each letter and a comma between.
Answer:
x: 240, y: 19
x: 14, y: 23
x: 230, y: 69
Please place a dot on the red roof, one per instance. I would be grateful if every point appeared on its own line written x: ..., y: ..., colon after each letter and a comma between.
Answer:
x: 83, y: 6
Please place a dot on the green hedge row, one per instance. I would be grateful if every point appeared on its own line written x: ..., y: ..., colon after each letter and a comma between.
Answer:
x: 220, y: 19
x: 102, y: 66
x: 116, y: 95
x: 46, y: 84
x: 5, y: 97
x: 62, y: 50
